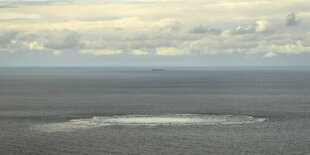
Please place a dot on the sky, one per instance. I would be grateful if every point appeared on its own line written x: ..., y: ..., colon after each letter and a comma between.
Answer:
x: 154, y: 33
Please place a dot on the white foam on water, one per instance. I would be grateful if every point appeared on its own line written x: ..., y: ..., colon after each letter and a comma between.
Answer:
x: 147, y: 120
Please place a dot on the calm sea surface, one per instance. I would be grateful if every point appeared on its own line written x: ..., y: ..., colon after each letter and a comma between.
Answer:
x: 139, y: 111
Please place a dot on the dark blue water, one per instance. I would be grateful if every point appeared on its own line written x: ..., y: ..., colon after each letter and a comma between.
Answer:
x: 32, y: 98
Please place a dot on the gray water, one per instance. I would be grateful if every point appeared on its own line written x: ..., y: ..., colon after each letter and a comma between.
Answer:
x: 137, y: 111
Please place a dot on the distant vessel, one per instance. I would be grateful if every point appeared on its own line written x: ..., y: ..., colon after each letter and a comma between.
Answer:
x: 159, y: 69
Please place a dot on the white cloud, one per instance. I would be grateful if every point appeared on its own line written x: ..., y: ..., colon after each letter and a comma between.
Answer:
x: 258, y: 26
x: 261, y: 25
x: 34, y: 45
x: 100, y: 52
x: 57, y: 52
x: 170, y: 51
x: 139, y: 52
x: 296, y: 48
x: 269, y: 55
x: 17, y: 16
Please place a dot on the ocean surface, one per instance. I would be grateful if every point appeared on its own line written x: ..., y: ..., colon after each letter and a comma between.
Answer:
x: 139, y: 111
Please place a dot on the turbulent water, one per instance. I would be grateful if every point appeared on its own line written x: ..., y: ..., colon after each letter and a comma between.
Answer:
x: 147, y: 120
x: 138, y: 111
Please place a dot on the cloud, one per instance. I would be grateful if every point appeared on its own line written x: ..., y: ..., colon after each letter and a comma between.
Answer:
x: 34, y: 45
x: 18, y: 16
x: 7, y: 37
x: 57, y: 52
x: 139, y: 52
x: 291, y: 19
x: 100, y: 52
x: 169, y: 26
x: 166, y: 28
x: 261, y: 26
x: 205, y: 30
x: 63, y: 39
x: 269, y: 55
x: 170, y: 51
x: 258, y: 26
x: 241, y: 30
x: 295, y: 48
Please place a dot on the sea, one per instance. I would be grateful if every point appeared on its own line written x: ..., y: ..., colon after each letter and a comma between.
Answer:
x: 134, y: 110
